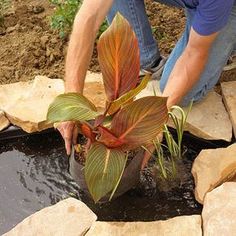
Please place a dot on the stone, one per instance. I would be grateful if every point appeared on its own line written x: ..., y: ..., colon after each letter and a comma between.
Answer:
x: 10, y: 93
x: 38, y: 9
x: 208, y: 119
x: 26, y: 103
x: 69, y: 217
x: 151, y: 89
x: 229, y: 96
x: 43, y: 41
x: 29, y: 110
x: 4, y: 122
x: 181, y: 225
x: 211, y: 168
x: 94, y: 90
x: 219, y: 211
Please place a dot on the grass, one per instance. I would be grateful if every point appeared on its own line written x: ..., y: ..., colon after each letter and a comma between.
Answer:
x: 174, y: 147
x: 167, y: 163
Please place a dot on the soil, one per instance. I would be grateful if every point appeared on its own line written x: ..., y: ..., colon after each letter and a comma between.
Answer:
x: 30, y: 47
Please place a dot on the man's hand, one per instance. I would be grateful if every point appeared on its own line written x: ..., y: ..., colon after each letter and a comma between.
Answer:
x: 69, y: 132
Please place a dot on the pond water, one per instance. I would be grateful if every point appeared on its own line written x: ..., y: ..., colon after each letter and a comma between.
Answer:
x: 34, y: 174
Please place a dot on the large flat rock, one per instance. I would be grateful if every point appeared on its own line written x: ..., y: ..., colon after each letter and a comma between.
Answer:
x: 29, y: 110
x: 208, y: 118
x: 26, y: 103
x: 94, y: 90
x: 69, y: 217
x: 4, y: 122
x: 151, y: 89
x: 219, y: 211
x: 229, y: 96
x: 213, y: 167
x: 182, y: 225
x: 10, y: 93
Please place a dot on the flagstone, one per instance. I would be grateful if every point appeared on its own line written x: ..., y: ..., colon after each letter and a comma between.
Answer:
x: 229, y: 96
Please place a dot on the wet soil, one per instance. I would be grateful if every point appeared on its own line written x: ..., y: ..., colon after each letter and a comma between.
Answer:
x: 30, y: 47
x: 34, y: 174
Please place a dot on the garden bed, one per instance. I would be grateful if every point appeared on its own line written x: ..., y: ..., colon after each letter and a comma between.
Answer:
x: 30, y: 47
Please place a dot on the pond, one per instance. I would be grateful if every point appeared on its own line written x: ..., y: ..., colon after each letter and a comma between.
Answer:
x: 34, y: 174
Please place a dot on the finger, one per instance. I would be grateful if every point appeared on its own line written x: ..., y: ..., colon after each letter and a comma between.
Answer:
x: 68, y: 146
x: 75, y: 134
x: 68, y: 134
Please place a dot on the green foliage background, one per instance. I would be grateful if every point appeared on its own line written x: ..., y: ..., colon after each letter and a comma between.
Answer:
x: 63, y: 17
x: 4, y: 5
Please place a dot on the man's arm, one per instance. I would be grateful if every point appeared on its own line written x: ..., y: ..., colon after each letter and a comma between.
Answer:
x: 86, y: 25
x: 188, y: 67
x: 186, y: 72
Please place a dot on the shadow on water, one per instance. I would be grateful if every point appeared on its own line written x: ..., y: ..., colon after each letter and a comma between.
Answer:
x: 34, y: 174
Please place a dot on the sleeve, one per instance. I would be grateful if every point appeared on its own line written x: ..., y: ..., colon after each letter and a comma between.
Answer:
x: 211, y: 16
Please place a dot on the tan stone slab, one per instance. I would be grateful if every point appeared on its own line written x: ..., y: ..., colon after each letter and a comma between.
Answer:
x: 69, y: 217
x: 213, y: 167
x: 29, y: 110
x: 4, y: 122
x: 94, y: 90
x: 219, y: 211
x: 179, y: 226
x: 151, y: 89
x: 229, y: 96
x: 209, y: 119
x: 9, y: 93
x: 26, y: 103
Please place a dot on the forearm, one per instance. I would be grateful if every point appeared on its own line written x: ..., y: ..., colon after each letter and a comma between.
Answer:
x: 185, y: 74
x: 86, y: 25
x: 189, y: 67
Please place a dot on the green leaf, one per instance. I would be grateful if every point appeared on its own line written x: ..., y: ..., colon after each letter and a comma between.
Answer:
x: 140, y: 122
x: 115, y: 105
x: 71, y: 106
x: 118, y: 55
x: 103, y: 170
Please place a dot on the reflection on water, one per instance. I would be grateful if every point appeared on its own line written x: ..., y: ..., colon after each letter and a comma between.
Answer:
x: 34, y: 174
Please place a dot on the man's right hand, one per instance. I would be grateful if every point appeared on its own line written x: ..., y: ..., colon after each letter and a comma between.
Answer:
x: 69, y: 132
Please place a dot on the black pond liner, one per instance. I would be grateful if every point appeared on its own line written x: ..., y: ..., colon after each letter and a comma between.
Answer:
x: 34, y: 174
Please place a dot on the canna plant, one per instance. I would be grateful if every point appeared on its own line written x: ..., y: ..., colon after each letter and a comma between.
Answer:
x: 126, y: 124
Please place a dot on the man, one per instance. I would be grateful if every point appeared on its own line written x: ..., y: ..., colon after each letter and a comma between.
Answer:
x: 192, y: 69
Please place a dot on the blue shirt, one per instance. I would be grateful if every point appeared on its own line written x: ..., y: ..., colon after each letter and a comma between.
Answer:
x: 210, y: 15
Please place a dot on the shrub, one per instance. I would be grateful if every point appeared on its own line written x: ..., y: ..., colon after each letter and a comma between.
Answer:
x: 63, y: 17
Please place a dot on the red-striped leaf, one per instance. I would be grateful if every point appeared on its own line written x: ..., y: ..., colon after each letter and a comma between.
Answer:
x: 103, y: 170
x: 118, y: 56
x: 140, y: 122
x: 129, y: 96
x: 108, y: 138
x: 71, y: 106
x: 88, y: 132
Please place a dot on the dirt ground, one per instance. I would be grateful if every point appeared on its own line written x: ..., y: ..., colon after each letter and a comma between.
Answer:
x: 30, y: 47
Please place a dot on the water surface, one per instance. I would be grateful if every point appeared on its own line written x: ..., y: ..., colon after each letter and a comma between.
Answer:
x: 34, y: 174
